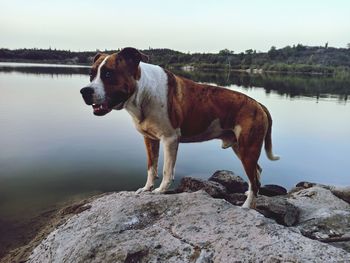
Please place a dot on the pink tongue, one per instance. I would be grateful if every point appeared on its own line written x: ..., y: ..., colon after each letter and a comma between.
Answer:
x: 99, y: 108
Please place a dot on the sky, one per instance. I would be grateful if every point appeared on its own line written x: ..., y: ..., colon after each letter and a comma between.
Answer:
x: 184, y: 25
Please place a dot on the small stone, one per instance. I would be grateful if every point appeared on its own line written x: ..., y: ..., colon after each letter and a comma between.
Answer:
x: 305, y: 184
x: 236, y: 198
x: 272, y: 190
x: 158, y: 246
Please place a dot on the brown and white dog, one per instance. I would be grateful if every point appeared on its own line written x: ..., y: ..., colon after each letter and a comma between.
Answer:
x: 170, y: 109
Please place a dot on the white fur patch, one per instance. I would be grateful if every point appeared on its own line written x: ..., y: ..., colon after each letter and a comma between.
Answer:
x: 237, y: 130
x: 149, y: 104
x: 249, y: 202
x: 97, y: 85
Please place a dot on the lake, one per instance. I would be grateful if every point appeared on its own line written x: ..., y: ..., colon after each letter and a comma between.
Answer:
x: 53, y: 148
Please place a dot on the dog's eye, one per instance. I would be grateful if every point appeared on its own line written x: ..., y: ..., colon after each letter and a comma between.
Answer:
x: 92, y: 74
x: 108, y: 74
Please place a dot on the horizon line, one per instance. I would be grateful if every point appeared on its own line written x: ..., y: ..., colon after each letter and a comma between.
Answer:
x: 190, y: 52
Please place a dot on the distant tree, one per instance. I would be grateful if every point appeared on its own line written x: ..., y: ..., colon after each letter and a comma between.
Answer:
x: 225, y: 52
x: 297, y: 58
x: 287, y: 51
x: 300, y: 47
x: 272, y: 53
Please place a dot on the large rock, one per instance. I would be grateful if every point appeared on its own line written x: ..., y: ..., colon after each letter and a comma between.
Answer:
x: 191, y: 184
x: 316, y: 202
x: 232, y: 182
x: 342, y: 193
x: 279, y: 209
x: 187, y: 227
x: 323, y: 216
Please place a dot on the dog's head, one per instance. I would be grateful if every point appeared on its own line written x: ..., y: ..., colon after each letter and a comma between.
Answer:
x: 112, y: 80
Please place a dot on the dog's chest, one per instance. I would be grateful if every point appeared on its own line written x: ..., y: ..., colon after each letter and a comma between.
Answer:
x: 152, y: 119
x: 155, y: 127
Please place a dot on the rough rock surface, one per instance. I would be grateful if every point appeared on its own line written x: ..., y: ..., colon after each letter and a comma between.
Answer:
x: 233, y: 183
x: 323, y: 216
x: 236, y: 198
x: 226, y: 185
x: 340, y: 192
x: 186, y: 227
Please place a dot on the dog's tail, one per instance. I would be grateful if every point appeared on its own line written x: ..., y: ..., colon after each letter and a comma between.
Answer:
x: 268, y: 139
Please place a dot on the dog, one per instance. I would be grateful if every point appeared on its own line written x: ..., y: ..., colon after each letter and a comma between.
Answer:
x: 171, y: 109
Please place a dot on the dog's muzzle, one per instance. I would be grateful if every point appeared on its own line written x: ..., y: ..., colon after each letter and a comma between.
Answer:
x: 98, y: 109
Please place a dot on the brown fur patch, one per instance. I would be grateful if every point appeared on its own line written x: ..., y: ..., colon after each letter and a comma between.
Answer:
x: 152, y: 148
x: 193, y: 107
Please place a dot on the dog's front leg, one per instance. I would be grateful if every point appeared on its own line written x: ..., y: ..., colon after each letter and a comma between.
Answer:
x: 152, y: 149
x: 170, y: 145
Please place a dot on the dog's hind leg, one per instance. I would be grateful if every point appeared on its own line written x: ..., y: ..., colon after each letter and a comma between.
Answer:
x: 152, y: 148
x: 258, y: 170
x: 249, y: 148
x: 253, y: 189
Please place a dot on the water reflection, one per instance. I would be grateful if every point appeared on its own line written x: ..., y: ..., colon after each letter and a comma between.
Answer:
x: 44, y: 69
x: 316, y: 86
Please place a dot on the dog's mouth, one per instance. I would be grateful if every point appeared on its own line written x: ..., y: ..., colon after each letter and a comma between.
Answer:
x: 101, y: 109
x: 106, y: 107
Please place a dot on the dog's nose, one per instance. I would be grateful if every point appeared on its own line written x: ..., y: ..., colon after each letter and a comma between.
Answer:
x: 87, y: 91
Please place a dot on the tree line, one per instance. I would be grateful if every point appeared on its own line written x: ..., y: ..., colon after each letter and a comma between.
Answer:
x: 296, y: 58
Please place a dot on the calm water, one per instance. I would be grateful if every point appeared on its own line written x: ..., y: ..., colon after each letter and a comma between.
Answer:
x: 53, y: 148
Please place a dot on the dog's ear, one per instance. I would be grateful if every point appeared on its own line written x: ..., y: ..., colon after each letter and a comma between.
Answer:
x: 96, y: 57
x: 132, y: 58
x: 130, y: 53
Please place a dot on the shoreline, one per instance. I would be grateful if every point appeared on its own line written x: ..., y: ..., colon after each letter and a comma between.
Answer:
x: 40, y: 226
x: 184, y: 67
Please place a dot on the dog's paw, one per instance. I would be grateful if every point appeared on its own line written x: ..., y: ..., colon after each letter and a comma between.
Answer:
x: 250, y: 203
x: 158, y: 191
x: 143, y: 190
x: 246, y: 206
